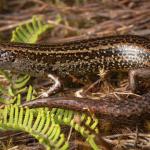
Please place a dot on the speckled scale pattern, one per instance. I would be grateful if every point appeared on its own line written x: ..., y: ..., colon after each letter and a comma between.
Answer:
x: 79, y: 57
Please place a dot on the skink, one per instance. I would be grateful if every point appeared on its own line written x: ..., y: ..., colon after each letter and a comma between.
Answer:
x: 79, y: 57
x: 82, y: 57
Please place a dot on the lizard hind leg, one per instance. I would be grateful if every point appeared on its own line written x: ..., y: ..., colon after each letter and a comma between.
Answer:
x: 135, y: 76
x: 98, y: 88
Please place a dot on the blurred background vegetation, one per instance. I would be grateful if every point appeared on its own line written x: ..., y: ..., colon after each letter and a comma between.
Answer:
x: 81, y: 18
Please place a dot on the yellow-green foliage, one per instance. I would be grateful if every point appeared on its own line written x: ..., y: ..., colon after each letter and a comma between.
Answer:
x: 40, y: 124
x: 30, y: 32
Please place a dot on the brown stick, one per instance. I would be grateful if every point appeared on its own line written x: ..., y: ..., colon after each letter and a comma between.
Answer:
x: 106, y: 107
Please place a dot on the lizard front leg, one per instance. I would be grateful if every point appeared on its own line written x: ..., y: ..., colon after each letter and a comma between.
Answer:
x: 54, y: 88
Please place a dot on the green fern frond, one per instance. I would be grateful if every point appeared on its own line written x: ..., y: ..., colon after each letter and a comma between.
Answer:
x: 40, y: 125
x: 81, y: 122
x: 44, y: 125
x: 30, y: 32
x: 15, y: 89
